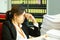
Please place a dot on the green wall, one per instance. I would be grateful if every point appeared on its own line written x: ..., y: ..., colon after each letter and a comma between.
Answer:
x: 53, y: 7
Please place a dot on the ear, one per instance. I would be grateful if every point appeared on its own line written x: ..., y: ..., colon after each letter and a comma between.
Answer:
x: 15, y: 15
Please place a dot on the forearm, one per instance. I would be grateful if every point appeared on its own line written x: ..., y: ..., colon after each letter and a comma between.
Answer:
x: 31, y: 17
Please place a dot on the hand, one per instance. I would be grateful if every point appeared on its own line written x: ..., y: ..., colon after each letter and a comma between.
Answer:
x: 31, y: 17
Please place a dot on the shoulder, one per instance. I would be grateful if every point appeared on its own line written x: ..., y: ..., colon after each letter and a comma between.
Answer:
x: 7, y: 24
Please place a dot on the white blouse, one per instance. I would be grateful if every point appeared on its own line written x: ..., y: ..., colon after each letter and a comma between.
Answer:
x: 19, y: 36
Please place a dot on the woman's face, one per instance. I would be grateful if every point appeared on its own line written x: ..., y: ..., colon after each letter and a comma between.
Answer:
x: 20, y: 19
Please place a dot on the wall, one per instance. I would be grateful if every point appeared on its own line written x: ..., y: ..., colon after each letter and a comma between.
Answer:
x: 5, y: 5
x: 53, y: 7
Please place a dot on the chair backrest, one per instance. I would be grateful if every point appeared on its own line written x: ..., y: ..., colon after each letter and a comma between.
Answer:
x: 2, y: 17
x: 1, y: 30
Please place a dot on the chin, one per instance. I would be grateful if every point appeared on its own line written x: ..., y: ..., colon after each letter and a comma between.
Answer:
x: 21, y: 22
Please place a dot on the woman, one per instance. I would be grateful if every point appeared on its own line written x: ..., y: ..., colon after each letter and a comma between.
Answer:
x: 15, y: 27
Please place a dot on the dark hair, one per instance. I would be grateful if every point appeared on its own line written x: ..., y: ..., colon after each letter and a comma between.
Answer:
x: 16, y: 9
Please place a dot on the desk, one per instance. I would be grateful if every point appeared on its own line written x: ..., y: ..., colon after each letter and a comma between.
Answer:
x: 43, y: 37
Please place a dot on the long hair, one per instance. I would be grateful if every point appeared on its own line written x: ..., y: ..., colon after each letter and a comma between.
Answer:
x: 16, y: 9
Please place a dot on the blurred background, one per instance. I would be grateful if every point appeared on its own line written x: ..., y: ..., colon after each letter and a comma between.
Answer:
x: 36, y: 7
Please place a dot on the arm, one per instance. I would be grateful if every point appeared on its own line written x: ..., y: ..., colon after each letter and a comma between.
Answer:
x: 33, y: 32
x: 6, y: 32
x: 30, y: 17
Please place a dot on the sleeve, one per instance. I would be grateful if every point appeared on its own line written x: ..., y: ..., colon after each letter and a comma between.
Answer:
x: 33, y: 32
x: 6, y: 33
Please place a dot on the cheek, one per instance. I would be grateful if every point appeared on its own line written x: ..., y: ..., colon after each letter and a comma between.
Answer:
x: 21, y: 19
